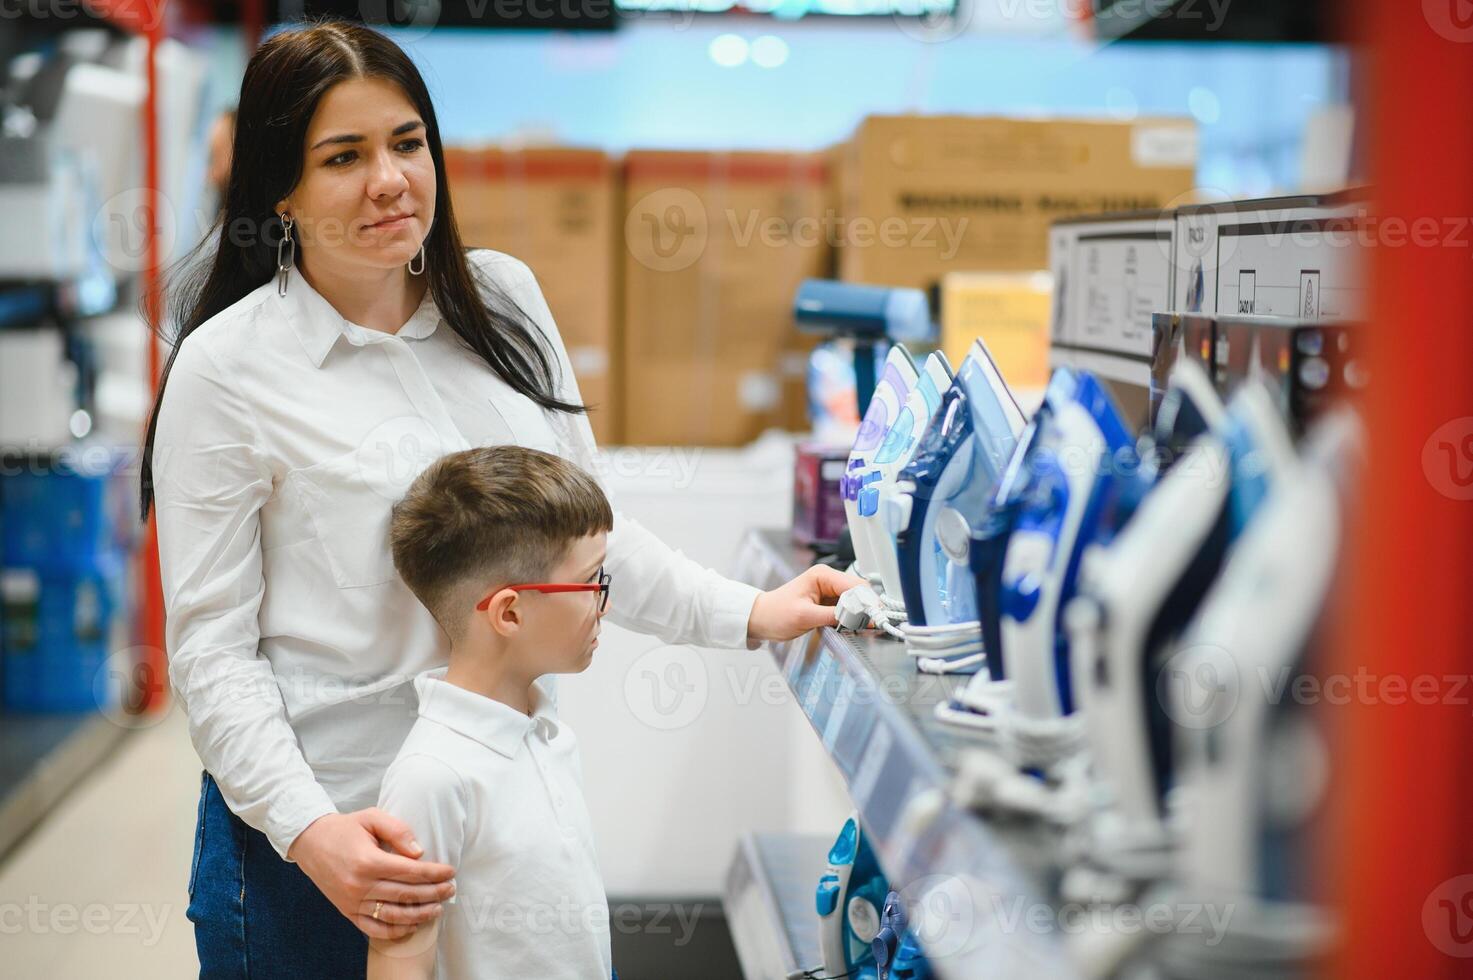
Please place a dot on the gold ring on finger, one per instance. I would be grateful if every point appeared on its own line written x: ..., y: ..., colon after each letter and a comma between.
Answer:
x: 377, y: 908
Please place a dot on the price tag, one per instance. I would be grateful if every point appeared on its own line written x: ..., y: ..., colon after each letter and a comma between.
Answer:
x: 821, y: 673
x: 875, y: 755
x: 842, y: 701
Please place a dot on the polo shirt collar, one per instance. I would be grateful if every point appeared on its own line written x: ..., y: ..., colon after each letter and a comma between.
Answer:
x: 319, y: 326
x: 499, y: 727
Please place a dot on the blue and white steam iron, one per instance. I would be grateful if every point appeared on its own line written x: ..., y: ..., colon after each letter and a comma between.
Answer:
x: 1253, y: 769
x: 1138, y: 595
x: 891, y: 393
x: 895, y: 452
x: 953, y: 475
x: 849, y: 900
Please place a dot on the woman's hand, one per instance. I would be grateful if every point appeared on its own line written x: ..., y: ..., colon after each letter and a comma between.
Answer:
x: 340, y: 852
x: 805, y: 603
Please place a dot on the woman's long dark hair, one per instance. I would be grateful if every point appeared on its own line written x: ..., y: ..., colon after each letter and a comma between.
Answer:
x: 284, y: 81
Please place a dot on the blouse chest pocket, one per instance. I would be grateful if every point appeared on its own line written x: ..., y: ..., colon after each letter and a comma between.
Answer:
x: 348, y: 503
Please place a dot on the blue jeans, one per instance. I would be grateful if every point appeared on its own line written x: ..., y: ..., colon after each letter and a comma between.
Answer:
x: 256, y: 915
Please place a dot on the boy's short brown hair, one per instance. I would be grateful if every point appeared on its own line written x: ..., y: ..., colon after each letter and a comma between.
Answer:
x: 490, y: 516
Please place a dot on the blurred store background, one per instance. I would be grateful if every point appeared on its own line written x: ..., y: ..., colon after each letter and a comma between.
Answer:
x: 672, y: 171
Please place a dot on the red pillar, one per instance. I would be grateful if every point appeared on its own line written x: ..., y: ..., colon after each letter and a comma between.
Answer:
x: 1403, y: 813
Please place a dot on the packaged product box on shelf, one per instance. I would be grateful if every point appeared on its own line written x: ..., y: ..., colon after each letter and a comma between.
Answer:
x: 1299, y: 257
x: 554, y: 208
x: 928, y: 195
x: 1009, y: 312
x: 717, y: 244
x: 1112, y: 273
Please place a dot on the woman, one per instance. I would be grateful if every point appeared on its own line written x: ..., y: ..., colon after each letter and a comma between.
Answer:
x: 339, y: 340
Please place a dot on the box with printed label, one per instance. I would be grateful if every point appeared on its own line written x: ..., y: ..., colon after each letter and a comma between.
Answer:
x: 1297, y: 257
x: 554, y: 208
x: 928, y: 195
x: 717, y: 245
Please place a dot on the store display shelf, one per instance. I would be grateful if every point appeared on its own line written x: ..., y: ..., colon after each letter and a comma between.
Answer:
x: 769, y: 903
x: 873, y: 711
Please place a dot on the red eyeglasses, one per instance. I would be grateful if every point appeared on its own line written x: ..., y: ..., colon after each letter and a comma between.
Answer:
x: 601, y: 587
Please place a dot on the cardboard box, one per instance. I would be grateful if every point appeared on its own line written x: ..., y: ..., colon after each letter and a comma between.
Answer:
x: 717, y: 244
x: 928, y: 195
x: 554, y: 208
x: 1010, y: 312
x: 1299, y: 257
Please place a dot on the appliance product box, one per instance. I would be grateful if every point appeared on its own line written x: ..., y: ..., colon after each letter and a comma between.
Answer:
x: 928, y: 195
x: 1176, y: 337
x: 717, y: 245
x: 818, y: 506
x: 1010, y: 312
x: 1112, y: 274
x: 554, y: 208
x: 1308, y: 365
x: 1297, y: 257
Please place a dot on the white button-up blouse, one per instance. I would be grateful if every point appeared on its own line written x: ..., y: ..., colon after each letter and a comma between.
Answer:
x: 285, y: 435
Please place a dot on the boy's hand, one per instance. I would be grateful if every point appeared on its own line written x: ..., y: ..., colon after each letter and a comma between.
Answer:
x: 340, y: 852
x: 805, y: 603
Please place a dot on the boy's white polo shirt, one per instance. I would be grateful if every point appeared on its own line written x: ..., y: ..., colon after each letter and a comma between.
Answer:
x: 499, y: 795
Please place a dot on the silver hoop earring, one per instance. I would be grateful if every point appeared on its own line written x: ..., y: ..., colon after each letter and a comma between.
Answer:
x: 421, y: 257
x: 284, y: 263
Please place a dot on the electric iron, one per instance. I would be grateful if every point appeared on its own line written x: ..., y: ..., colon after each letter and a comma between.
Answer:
x: 896, y: 949
x: 891, y: 393
x: 849, y: 900
x: 1253, y: 770
x: 953, y: 474
x: 977, y: 706
x: 895, y: 451
x: 1137, y: 595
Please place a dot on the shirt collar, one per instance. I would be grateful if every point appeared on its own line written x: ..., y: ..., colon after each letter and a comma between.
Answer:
x: 497, y: 726
x: 318, y: 324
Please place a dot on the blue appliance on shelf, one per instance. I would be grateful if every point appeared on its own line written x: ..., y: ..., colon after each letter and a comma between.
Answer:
x: 849, y: 901
x: 890, y: 395
x: 953, y: 474
x: 894, y: 454
x: 1137, y: 595
x: 896, y: 948
x: 1254, y: 777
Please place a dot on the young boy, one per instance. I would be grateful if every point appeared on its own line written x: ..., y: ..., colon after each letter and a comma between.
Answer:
x: 505, y: 547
